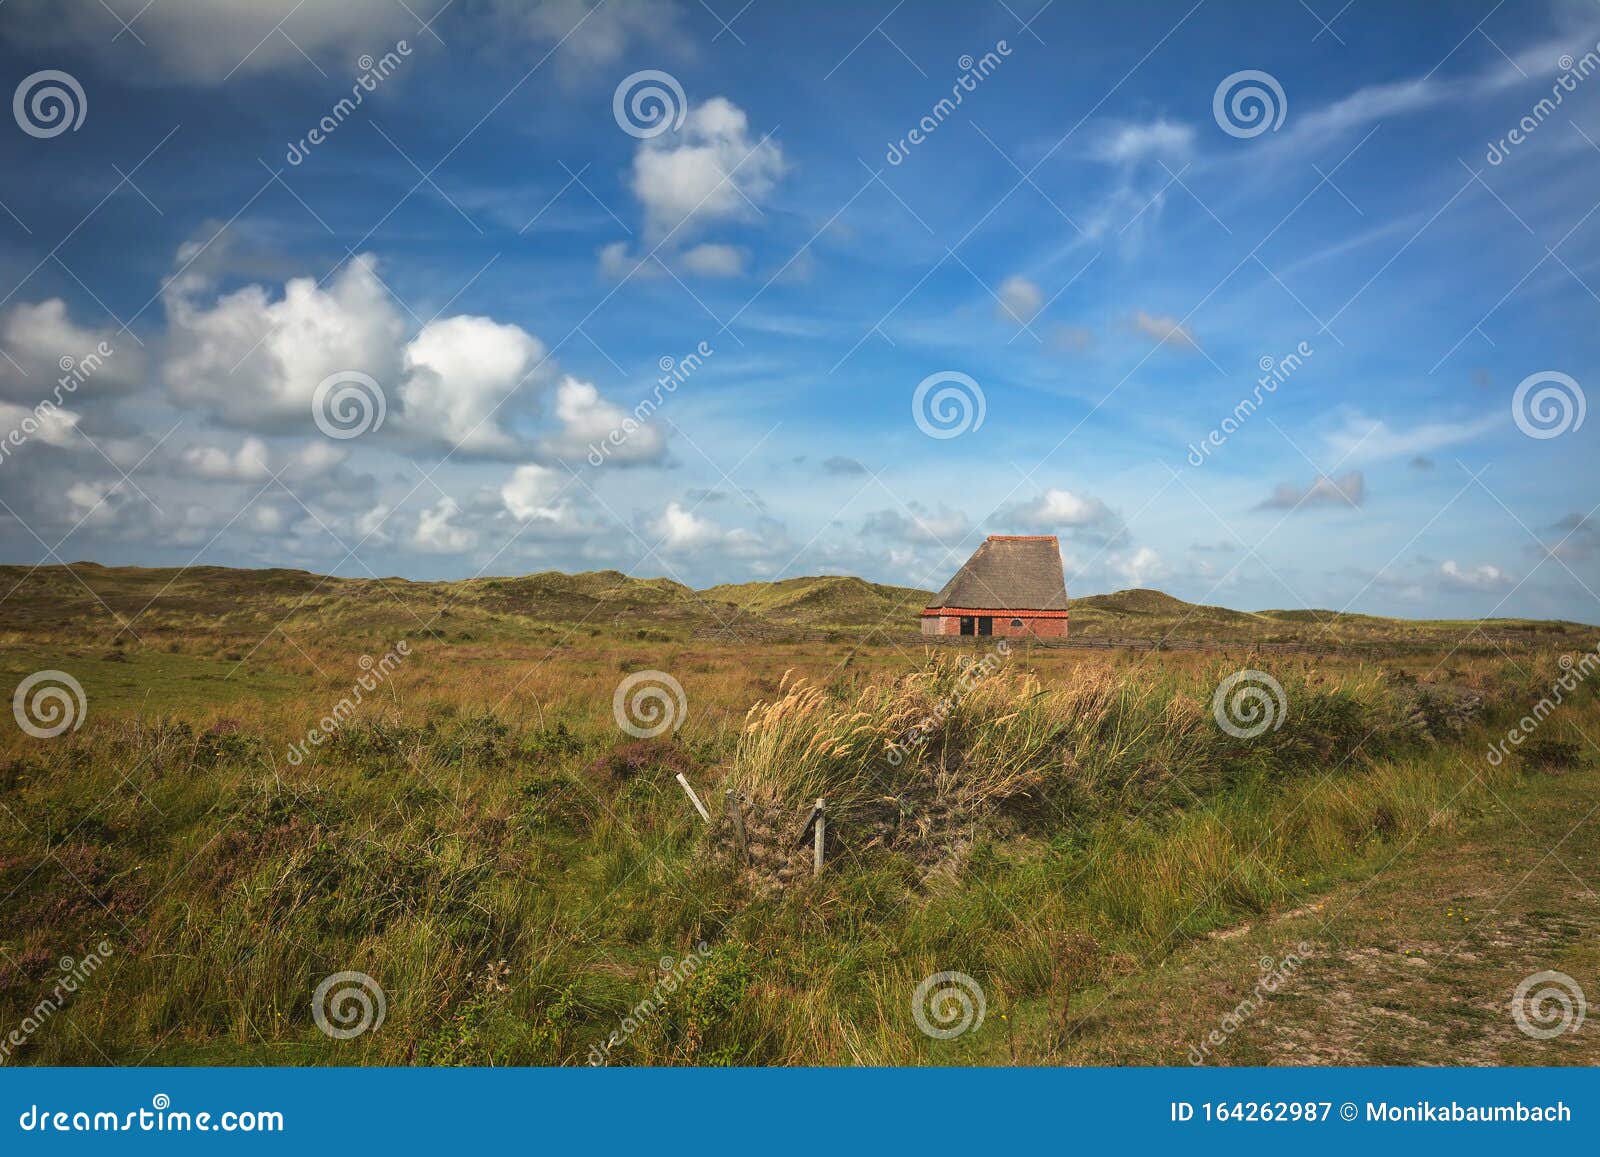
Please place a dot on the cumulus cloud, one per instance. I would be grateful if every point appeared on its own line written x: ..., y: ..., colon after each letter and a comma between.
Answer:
x: 1478, y: 578
x: 1161, y: 328
x: 708, y: 170
x: 438, y: 533
x: 253, y: 362
x: 590, y: 424
x: 253, y: 462
x: 1020, y: 300
x: 1140, y: 567
x: 1348, y: 489
x: 250, y: 361
x: 36, y: 337
x: 710, y: 260
x: 919, y: 525
x: 534, y: 493
x: 459, y: 372
x: 615, y: 261
x: 53, y: 426
x: 1057, y: 510
x: 678, y: 531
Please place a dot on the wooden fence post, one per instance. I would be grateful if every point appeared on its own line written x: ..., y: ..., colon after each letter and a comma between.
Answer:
x: 820, y: 837
x: 737, y: 815
x: 694, y: 799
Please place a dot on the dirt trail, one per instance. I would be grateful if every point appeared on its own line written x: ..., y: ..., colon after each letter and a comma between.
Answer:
x: 1417, y: 964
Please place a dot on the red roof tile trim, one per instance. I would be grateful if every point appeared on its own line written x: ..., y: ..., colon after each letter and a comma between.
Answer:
x: 992, y: 612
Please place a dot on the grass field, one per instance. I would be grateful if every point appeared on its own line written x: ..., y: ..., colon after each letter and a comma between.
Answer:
x: 527, y: 883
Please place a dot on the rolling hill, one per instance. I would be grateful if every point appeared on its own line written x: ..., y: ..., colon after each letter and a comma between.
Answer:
x: 248, y: 602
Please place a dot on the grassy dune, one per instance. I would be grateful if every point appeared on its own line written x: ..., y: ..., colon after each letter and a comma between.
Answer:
x: 479, y: 837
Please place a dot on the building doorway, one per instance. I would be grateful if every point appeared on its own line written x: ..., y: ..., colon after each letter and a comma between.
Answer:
x: 985, y: 625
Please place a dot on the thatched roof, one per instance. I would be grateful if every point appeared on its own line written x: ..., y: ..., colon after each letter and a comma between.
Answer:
x: 1009, y: 573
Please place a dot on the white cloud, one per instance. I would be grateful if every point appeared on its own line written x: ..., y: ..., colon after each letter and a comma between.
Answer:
x: 1163, y: 329
x: 709, y: 260
x: 533, y: 492
x: 372, y: 525
x: 462, y: 382
x: 1478, y: 578
x: 1366, y: 439
x: 437, y: 533
x: 615, y: 261
x: 1020, y: 300
x: 589, y: 421
x: 268, y: 518
x: 1057, y: 509
x: 1156, y: 138
x: 94, y: 504
x: 53, y: 427
x: 247, y: 464
x: 708, y: 170
x: 1140, y: 568
x: 204, y: 41
x: 253, y: 362
x: 36, y: 337
x: 253, y: 462
x: 940, y: 526
x: 1368, y: 105
x: 679, y: 529
x: 459, y: 371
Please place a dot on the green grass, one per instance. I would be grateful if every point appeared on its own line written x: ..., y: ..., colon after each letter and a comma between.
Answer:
x: 481, y: 839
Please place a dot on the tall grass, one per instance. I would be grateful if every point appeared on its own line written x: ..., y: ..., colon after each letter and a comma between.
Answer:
x: 513, y: 892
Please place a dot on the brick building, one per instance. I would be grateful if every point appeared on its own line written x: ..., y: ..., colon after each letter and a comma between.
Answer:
x: 1012, y: 586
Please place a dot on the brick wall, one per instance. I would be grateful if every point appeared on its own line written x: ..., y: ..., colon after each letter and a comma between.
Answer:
x: 1053, y: 628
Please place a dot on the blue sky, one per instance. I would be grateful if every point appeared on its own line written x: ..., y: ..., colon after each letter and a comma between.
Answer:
x: 1095, y: 243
